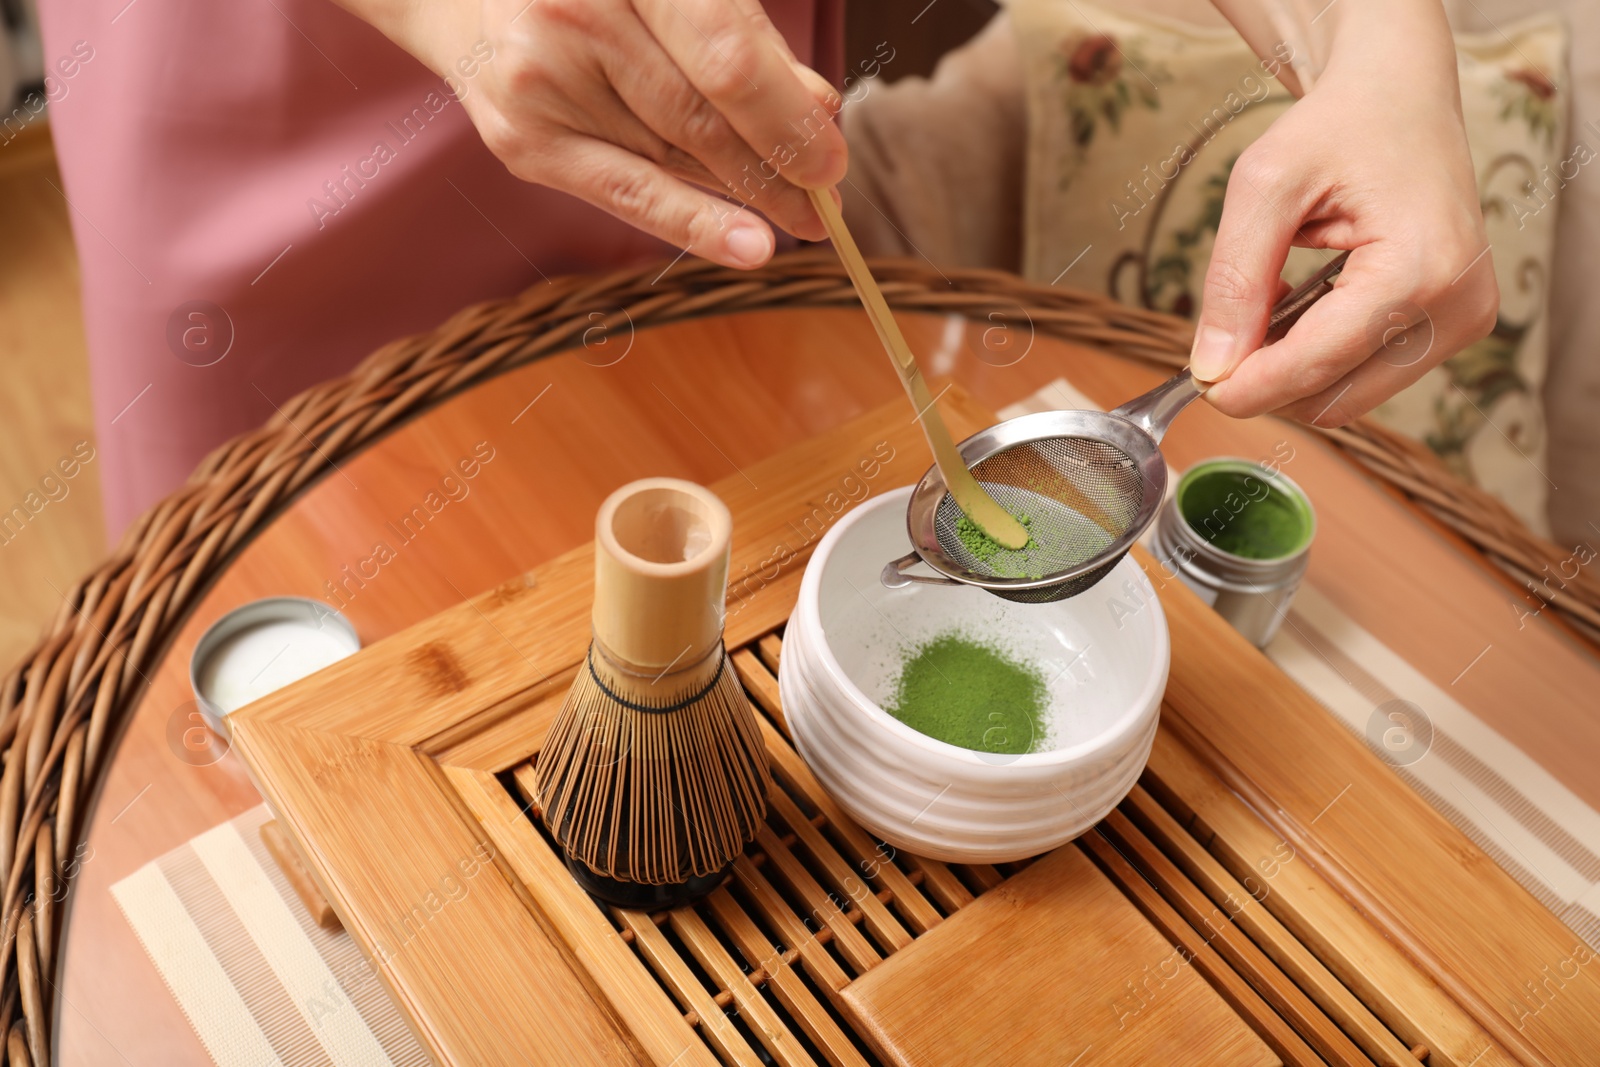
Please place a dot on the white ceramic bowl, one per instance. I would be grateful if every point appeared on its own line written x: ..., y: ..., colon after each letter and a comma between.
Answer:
x: 1105, y: 654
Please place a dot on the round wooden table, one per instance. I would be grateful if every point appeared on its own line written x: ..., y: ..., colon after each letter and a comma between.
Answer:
x: 702, y: 399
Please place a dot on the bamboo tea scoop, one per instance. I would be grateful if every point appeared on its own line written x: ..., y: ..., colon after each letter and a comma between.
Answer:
x: 969, y: 496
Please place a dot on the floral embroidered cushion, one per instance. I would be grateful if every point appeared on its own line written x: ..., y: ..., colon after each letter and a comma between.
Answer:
x: 1135, y: 123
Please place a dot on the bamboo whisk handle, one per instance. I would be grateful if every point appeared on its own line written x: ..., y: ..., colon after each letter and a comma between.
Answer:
x: 661, y: 551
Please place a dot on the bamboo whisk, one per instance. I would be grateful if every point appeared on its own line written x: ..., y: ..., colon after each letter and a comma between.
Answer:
x: 654, y: 777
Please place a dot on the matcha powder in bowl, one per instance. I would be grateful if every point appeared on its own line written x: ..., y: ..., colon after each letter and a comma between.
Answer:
x: 972, y: 694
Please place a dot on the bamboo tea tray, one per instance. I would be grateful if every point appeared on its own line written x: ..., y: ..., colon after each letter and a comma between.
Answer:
x: 1269, y: 893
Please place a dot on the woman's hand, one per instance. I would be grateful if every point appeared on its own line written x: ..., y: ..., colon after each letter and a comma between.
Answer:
x: 640, y: 106
x: 1373, y: 159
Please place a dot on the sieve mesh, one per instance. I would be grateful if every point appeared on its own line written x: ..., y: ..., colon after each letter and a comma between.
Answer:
x: 1078, y: 495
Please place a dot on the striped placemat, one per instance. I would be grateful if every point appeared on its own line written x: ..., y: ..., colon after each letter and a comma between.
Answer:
x: 1535, y: 828
x: 260, y: 982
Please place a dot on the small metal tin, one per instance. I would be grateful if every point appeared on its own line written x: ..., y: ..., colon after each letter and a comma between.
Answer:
x: 1252, y: 594
x: 239, y: 658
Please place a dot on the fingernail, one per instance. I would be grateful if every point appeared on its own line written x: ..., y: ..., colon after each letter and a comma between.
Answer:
x: 749, y: 246
x: 1212, y: 357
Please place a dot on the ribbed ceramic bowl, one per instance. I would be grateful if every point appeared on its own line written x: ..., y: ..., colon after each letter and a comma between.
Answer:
x: 1104, y: 653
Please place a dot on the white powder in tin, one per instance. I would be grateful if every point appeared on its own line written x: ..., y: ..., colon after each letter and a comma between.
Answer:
x: 255, y: 661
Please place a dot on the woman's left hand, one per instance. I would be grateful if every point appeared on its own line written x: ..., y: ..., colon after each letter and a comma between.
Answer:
x: 1373, y: 159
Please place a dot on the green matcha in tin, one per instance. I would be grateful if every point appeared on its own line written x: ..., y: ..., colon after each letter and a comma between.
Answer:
x: 1238, y: 533
x: 1239, y: 511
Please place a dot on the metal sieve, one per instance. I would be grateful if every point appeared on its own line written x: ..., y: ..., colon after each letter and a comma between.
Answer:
x: 1086, y: 483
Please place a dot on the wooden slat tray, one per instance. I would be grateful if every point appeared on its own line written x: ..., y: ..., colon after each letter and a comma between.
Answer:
x: 1270, y: 893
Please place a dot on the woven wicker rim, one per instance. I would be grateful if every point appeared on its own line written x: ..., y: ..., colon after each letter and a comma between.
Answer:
x: 61, y: 703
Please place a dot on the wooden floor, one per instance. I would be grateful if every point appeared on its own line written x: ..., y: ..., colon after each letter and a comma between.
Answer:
x: 44, y: 397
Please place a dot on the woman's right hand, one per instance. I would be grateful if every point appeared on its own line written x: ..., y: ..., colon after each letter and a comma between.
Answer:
x: 640, y: 107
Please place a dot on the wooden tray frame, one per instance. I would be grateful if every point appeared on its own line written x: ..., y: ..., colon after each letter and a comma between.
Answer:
x: 383, y: 770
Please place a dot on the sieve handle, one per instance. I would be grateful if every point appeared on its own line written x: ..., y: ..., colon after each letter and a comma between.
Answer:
x: 1154, y: 411
x: 895, y: 576
x: 1287, y: 312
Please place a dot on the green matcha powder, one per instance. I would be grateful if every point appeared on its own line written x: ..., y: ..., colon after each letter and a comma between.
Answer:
x: 971, y: 694
x: 1002, y: 561
x: 1243, y: 514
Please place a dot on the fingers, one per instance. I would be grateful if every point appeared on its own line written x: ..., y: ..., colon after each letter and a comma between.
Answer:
x: 761, y: 22
x: 1259, y: 216
x: 642, y: 193
x: 735, y: 64
x: 1370, y: 384
x: 608, y: 117
x: 1390, y: 319
x: 658, y: 93
x: 821, y: 90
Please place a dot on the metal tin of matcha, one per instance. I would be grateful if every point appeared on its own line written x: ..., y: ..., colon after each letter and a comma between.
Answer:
x: 1239, y: 535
